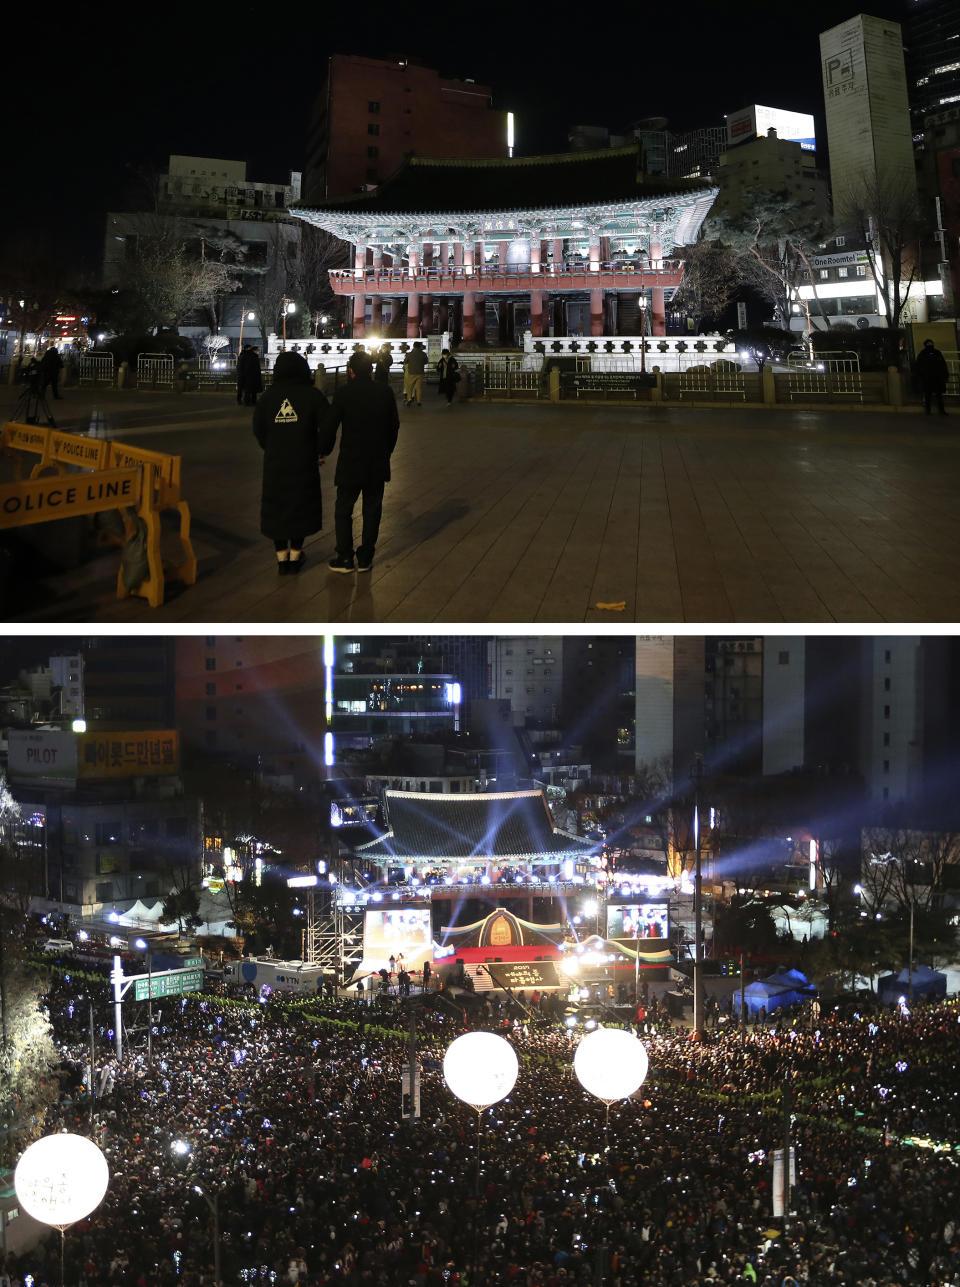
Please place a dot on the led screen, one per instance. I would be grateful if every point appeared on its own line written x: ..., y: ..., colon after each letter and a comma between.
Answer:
x: 637, y: 920
x: 397, y: 930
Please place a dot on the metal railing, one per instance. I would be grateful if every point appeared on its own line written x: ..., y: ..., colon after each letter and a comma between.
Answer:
x: 709, y: 379
x: 510, y: 376
x: 154, y: 371
x: 96, y: 368
x: 834, y: 373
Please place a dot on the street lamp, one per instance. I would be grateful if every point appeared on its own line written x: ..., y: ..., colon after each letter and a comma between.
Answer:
x: 248, y: 316
x: 286, y: 306
x: 214, y: 1205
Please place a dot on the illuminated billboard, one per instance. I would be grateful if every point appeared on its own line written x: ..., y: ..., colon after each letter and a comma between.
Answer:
x: 754, y: 121
x: 394, y: 932
x: 637, y: 920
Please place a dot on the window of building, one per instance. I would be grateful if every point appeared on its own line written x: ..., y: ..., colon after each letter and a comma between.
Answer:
x: 211, y: 712
x: 373, y: 106
x: 373, y: 151
x: 887, y: 655
x: 211, y: 690
x: 886, y: 766
x: 104, y: 891
x: 886, y: 712
x: 886, y: 739
x: 841, y: 241
x: 211, y: 641
x: 824, y: 274
x: 841, y: 272
x: 210, y: 663
x: 783, y: 658
x: 373, y: 128
x: 210, y: 737
x: 861, y: 270
x: 886, y: 684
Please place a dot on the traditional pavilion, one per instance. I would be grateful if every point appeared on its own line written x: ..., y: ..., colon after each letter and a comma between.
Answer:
x: 494, y: 837
x: 572, y: 243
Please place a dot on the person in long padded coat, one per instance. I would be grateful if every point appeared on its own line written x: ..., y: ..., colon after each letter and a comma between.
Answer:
x: 287, y: 424
x: 365, y: 411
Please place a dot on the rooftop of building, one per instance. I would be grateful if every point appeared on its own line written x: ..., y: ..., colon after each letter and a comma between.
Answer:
x: 501, y: 824
x: 604, y: 176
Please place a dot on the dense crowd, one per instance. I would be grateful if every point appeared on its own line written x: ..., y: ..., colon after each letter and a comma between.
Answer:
x: 291, y: 1113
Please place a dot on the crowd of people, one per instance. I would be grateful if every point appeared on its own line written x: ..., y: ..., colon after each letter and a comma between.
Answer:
x: 287, y: 1115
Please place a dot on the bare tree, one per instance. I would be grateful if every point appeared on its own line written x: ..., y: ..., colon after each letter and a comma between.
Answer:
x: 884, y: 213
x: 168, y: 283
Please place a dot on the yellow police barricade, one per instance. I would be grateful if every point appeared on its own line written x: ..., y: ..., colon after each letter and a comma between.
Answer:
x: 136, y: 482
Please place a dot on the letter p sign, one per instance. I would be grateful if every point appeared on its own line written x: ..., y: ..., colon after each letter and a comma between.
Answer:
x: 838, y: 68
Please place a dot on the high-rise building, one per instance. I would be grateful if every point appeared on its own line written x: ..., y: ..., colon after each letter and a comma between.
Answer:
x: 371, y: 114
x: 255, y: 699
x: 128, y: 681
x: 867, y: 109
x: 932, y: 39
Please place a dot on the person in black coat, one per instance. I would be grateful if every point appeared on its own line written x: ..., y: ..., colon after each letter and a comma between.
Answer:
x: 287, y: 425
x: 932, y: 376
x: 449, y: 370
x: 384, y: 362
x: 51, y: 364
x: 249, y: 375
x: 365, y: 411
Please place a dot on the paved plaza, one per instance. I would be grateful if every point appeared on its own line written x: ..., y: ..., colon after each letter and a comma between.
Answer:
x: 538, y: 513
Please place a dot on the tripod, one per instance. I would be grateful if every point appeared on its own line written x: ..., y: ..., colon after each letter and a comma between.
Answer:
x: 31, y: 405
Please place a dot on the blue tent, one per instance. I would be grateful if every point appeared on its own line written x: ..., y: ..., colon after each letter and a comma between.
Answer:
x: 926, y: 983
x: 779, y: 990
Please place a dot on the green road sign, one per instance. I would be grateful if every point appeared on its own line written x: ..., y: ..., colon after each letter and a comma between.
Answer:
x: 168, y: 984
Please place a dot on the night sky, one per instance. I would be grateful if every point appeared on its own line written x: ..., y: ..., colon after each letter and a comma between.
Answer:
x: 96, y: 93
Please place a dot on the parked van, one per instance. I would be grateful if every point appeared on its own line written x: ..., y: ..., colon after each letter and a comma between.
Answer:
x: 57, y: 946
x: 265, y: 971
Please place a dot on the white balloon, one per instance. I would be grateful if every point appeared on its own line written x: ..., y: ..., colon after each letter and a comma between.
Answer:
x: 61, y: 1179
x: 611, y: 1064
x: 480, y: 1068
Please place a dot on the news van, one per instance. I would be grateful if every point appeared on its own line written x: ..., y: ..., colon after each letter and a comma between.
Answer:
x: 267, y: 971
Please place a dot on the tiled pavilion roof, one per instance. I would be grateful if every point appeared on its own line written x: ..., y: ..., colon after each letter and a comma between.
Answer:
x: 502, y: 825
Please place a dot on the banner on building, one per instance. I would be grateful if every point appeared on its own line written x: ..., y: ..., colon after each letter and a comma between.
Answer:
x: 128, y: 755
x: 47, y: 758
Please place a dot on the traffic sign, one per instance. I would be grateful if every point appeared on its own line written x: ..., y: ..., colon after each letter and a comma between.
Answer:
x: 148, y: 987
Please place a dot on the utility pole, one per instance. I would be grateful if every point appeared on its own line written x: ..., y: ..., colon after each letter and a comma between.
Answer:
x: 743, y: 1004
x: 787, y: 1120
x: 913, y: 903
x: 93, y: 1071
x: 697, y: 902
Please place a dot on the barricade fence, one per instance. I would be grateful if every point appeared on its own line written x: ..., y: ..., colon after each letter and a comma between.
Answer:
x: 96, y: 368
x: 154, y: 371
x: 834, y: 374
x: 78, y: 475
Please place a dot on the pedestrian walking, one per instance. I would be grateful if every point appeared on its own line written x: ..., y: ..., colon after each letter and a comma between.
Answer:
x: 414, y: 365
x: 384, y: 362
x: 287, y: 425
x: 365, y: 412
x: 449, y: 370
x: 249, y: 375
x: 50, y: 366
x: 932, y: 376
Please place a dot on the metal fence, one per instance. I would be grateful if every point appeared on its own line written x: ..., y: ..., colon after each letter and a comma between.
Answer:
x: 952, y: 358
x: 511, y: 376
x: 96, y: 368
x: 836, y: 373
x: 700, y: 379
x: 154, y: 371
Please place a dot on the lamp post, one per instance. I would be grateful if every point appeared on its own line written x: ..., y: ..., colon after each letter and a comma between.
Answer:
x: 214, y: 1205
x: 286, y: 306
x: 248, y: 316
x: 697, y: 903
x: 913, y: 903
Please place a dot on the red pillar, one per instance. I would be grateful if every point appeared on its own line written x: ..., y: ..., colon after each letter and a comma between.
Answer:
x: 359, y: 316
x: 545, y: 314
x: 426, y: 313
x: 443, y: 315
x: 658, y: 322
x: 376, y: 314
x: 468, y: 315
x: 480, y: 319
x: 596, y: 310
x: 536, y: 313
x: 413, y: 315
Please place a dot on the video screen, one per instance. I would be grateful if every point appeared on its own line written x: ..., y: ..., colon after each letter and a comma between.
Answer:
x: 396, y: 931
x: 637, y: 920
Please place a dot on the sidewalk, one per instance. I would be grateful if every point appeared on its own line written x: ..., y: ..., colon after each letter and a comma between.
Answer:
x: 538, y: 513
